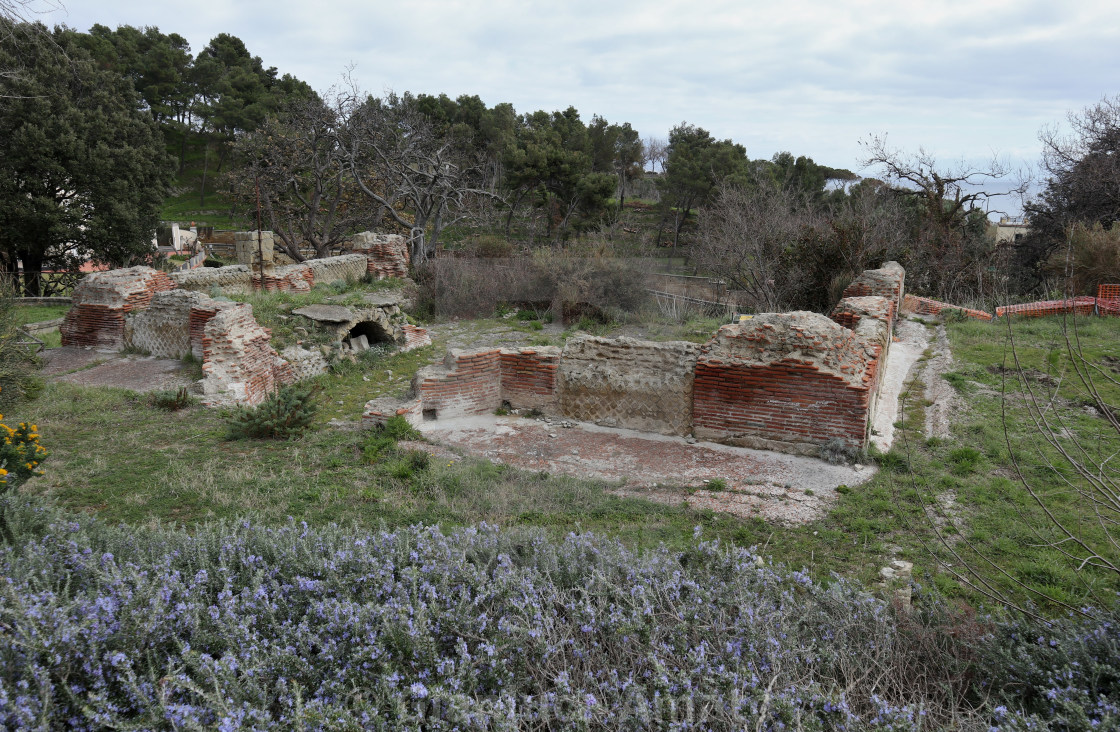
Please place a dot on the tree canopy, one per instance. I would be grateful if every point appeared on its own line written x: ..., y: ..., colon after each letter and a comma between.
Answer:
x: 83, y: 168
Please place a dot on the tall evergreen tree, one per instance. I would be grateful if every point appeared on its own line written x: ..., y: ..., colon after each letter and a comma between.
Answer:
x: 83, y: 169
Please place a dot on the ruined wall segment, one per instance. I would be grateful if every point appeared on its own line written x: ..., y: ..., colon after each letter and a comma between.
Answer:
x: 289, y: 278
x: 103, y: 299
x: 528, y: 378
x: 345, y: 268
x: 468, y: 383
x: 786, y: 381
x: 386, y: 255
x: 929, y: 306
x: 623, y: 382
x: 235, y: 279
x: 888, y: 281
x: 239, y: 364
x: 163, y: 329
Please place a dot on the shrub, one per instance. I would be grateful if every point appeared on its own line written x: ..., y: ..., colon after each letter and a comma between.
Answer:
x: 171, y: 401
x: 20, y: 454
x: 837, y: 452
x: 239, y: 625
x: 286, y: 412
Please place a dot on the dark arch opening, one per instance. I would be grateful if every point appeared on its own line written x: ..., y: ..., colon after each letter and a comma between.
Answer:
x: 373, y: 332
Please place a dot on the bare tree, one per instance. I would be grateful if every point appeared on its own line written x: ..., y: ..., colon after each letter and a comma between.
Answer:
x: 423, y: 179
x: 656, y: 151
x: 744, y: 233
x: 305, y: 188
x: 954, y: 203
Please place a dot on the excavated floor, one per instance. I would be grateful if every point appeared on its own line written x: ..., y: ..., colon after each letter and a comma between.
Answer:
x: 770, y: 485
x: 758, y: 483
x: 91, y: 367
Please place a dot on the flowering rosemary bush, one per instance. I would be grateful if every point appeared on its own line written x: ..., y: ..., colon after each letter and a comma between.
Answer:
x: 241, y: 626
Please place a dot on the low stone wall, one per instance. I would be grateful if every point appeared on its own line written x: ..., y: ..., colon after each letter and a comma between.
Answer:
x: 928, y: 306
x: 235, y: 279
x: 623, y: 382
x: 288, y: 278
x: 786, y: 381
x: 345, y: 268
x: 103, y: 299
x: 528, y: 378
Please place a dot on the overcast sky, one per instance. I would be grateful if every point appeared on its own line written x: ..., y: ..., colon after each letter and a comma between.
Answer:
x: 964, y: 80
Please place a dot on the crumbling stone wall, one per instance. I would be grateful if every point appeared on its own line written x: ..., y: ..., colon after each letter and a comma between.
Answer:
x: 468, y: 383
x: 851, y: 310
x: 386, y: 254
x: 345, y: 268
x: 103, y: 299
x: 234, y: 279
x: 888, y: 281
x: 786, y: 381
x: 528, y: 378
x: 239, y: 365
x: 289, y: 278
x: 164, y: 328
x: 623, y: 382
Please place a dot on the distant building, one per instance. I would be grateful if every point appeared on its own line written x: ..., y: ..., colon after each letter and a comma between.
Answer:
x: 1011, y: 229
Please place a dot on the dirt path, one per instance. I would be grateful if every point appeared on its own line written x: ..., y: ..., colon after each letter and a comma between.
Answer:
x: 943, y: 397
x: 913, y: 341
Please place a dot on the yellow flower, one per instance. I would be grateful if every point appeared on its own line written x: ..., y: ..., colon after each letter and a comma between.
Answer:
x: 3, y: 472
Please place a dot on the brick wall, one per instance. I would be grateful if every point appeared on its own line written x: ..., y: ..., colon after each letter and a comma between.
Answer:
x: 1083, y: 305
x: 468, y: 383
x: 239, y: 364
x: 387, y: 255
x: 103, y: 299
x: 528, y: 377
x: 888, y: 281
x: 927, y: 306
x: 787, y: 381
x: 623, y: 382
x: 414, y: 337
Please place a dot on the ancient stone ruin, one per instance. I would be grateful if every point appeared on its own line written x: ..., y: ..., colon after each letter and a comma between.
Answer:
x: 173, y: 316
x: 786, y: 381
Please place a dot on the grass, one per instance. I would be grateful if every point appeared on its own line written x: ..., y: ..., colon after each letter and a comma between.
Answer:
x: 185, y: 472
x: 25, y: 314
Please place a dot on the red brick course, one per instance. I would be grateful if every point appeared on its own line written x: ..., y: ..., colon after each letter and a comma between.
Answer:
x: 471, y: 385
x: 528, y: 377
x: 102, y: 299
x: 927, y: 306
